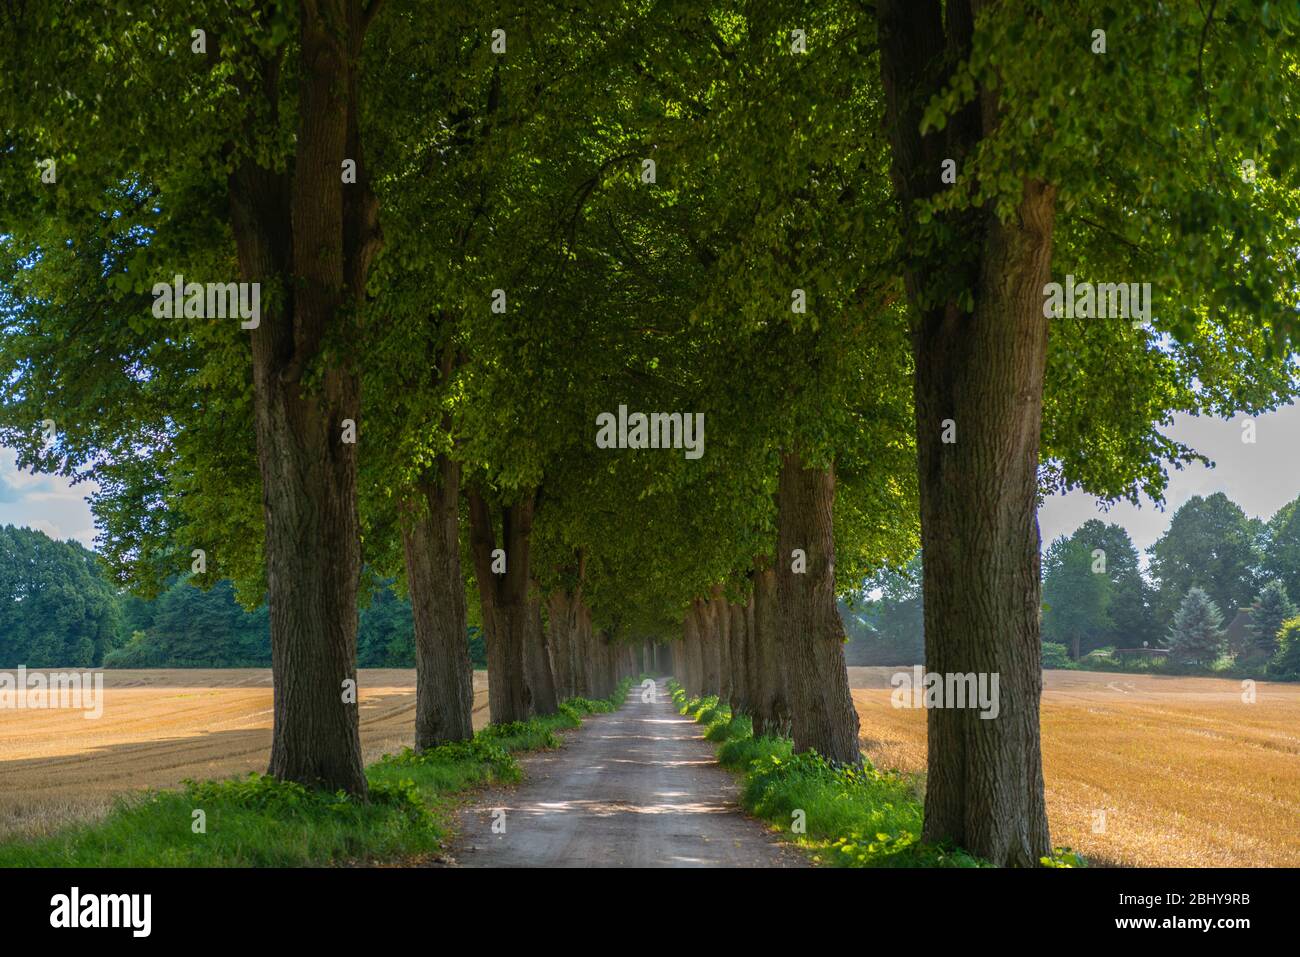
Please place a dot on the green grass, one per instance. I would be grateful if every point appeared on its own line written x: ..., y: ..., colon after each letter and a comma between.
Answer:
x: 258, y: 821
x: 843, y: 817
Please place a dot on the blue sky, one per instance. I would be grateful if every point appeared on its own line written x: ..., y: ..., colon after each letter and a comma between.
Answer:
x: 43, y: 502
x: 1260, y: 478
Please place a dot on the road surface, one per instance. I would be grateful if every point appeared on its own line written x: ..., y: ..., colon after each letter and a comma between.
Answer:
x: 636, y: 788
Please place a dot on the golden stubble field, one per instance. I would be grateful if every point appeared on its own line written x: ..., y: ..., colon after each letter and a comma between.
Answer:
x: 1186, y: 773
x: 160, y: 727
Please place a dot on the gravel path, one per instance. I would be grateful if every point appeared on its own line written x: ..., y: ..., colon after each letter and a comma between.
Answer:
x: 635, y: 788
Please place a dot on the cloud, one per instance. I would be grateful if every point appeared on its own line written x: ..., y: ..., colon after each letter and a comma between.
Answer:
x: 47, y: 503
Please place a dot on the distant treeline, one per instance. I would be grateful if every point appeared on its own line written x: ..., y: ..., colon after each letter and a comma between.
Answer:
x: 1238, y: 574
x: 57, y: 610
x: 1233, y: 575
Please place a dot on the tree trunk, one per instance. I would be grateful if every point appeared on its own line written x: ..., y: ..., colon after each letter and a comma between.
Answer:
x: 317, y: 240
x: 444, y: 677
x: 596, y: 664
x: 604, y: 664
x: 692, y: 653
x: 709, y: 640
x: 751, y: 657
x: 822, y: 715
x: 537, y: 662
x: 739, y: 659
x: 507, y: 615
x: 983, y: 370
x: 979, y: 535
x: 722, y: 632
x: 582, y: 651
x: 561, y: 623
x: 771, y: 708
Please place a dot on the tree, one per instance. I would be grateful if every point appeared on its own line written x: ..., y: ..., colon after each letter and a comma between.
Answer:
x: 1093, y: 590
x: 802, y: 288
x: 1281, y: 547
x: 1196, y: 636
x: 1272, y: 609
x: 1077, y: 596
x: 193, y: 628
x: 270, y: 109
x: 1129, y: 609
x: 56, y: 610
x: 1212, y: 544
x: 994, y: 166
x: 897, y: 635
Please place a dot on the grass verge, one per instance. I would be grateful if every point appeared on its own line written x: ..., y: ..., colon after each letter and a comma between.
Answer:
x: 843, y: 817
x: 258, y: 821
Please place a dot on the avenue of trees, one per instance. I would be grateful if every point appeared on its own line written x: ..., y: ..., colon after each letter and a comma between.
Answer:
x: 478, y: 229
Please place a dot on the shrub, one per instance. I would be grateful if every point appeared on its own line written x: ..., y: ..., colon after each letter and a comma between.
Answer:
x: 727, y: 728
x: 1055, y: 655
x: 1286, y: 661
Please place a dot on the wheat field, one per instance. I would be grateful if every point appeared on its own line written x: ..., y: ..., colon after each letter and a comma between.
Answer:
x: 1143, y: 770
x: 1186, y: 773
x: 161, y: 727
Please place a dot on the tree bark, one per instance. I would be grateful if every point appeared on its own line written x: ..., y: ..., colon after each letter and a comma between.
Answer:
x: 561, y: 624
x: 980, y: 539
x: 306, y: 233
x: 751, y: 656
x: 693, y: 652
x: 739, y: 644
x: 604, y: 670
x: 537, y: 661
x: 582, y: 650
x: 822, y: 715
x: 444, y: 678
x: 722, y: 631
x: 771, y: 708
x: 709, y: 640
x: 507, y: 615
x: 983, y: 369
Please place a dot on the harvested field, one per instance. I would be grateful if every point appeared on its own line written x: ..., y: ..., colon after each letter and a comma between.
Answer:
x: 160, y: 727
x: 1186, y: 772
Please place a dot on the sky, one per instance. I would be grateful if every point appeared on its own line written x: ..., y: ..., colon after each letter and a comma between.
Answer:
x: 1260, y: 477
x: 43, y: 502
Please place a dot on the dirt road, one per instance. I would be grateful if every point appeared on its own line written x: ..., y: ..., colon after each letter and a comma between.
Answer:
x: 636, y: 788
